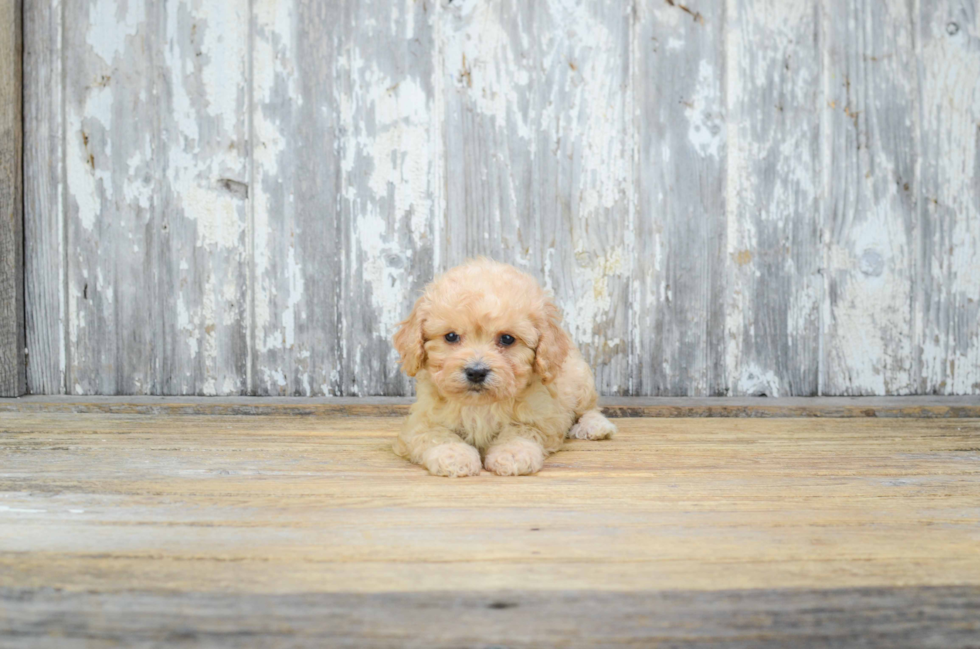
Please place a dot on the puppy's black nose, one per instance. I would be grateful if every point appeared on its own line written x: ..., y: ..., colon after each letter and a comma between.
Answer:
x: 477, y: 373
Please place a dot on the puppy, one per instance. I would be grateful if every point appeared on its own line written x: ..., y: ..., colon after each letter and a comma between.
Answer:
x: 499, y: 382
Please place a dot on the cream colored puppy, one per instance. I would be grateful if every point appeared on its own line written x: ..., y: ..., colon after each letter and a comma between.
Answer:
x: 496, y: 375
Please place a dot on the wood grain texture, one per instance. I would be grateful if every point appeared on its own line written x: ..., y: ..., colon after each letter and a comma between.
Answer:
x: 871, y: 89
x: 192, y: 524
x: 689, y: 407
x: 734, y: 619
x: 679, y: 283
x: 156, y: 162
x: 393, y: 184
x: 538, y: 160
x: 947, y: 310
x: 773, y: 179
x: 246, y: 197
x: 297, y: 230
x: 44, y: 187
x: 347, y: 184
x: 12, y: 367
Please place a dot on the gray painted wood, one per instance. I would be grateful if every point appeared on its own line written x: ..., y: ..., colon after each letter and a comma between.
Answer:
x: 392, y: 182
x: 870, y: 86
x: 44, y: 223
x: 538, y: 130
x: 947, y: 309
x: 679, y: 280
x: 773, y: 255
x: 12, y: 367
x: 749, y: 197
x: 347, y: 148
x: 842, y: 617
x: 297, y: 257
x: 156, y: 166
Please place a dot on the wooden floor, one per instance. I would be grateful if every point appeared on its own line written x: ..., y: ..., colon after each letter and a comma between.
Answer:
x: 161, y: 530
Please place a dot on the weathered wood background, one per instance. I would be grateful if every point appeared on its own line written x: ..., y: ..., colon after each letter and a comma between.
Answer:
x: 12, y: 368
x: 734, y: 197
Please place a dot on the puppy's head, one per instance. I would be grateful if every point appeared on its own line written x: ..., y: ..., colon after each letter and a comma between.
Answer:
x: 483, y: 331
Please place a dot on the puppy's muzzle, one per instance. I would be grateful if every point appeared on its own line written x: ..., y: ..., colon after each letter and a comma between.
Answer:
x: 477, y: 373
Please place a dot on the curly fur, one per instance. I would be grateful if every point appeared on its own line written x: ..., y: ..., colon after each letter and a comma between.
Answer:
x: 539, y: 389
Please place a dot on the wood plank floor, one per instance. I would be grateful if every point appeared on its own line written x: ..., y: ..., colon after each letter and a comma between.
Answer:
x: 307, y: 531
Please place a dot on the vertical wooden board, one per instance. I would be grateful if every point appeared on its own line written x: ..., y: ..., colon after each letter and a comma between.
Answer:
x: 297, y: 231
x: 392, y: 185
x: 948, y: 296
x: 12, y: 368
x: 44, y: 232
x: 539, y: 147
x: 678, y: 283
x: 871, y: 89
x: 773, y: 260
x: 156, y: 168
x: 583, y: 144
x: 486, y: 73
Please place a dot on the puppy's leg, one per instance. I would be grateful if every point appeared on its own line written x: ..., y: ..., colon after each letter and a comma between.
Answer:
x: 516, y: 451
x: 592, y: 425
x: 439, y: 450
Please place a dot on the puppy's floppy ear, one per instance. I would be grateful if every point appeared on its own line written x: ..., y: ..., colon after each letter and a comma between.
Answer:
x: 553, y: 343
x: 409, y: 341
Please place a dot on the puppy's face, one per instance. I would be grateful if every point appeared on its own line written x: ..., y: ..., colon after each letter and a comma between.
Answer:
x: 483, y: 332
x: 478, y: 359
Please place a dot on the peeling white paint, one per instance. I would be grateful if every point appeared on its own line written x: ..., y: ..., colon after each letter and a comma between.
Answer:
x: 707, y: 128
x: 593, y: 297
x: 391, y: 164
x: 756, y: 381
x: 542, y: 102
x: 137, y: 189
x: 88, y: 177
x: 597, y: 95
x: 273, y: 62
x: 485, y: 65
x: 188, y: 327
x: 868, y: 340
x: 225, y: 37
x: 274, y: 377
x: 389, y: 286
x: 950, y: 130
x: 219, y: 217
x: 294, y: 272
x: 398, y: 146
x: 111, y: 24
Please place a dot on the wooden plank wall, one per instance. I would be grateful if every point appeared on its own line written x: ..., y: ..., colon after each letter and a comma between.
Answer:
x: 12, y: 367
x: 728, y: 198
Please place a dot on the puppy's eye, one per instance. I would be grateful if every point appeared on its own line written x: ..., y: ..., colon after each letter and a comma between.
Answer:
x: 506, y: 340
x: 452, y: 337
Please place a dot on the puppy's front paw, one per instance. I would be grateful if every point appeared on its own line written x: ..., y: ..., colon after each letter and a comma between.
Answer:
x: 455, y: 460
x: 592, y: 425
x: 516, y: 456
